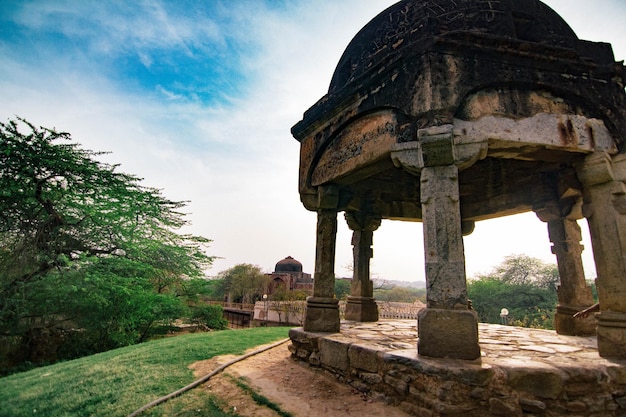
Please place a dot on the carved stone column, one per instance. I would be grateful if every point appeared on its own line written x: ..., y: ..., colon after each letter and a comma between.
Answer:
x: 604, y: 198
x: 322, y: 309
x: 573, y: 292
x: 361, y: 305
x: 446, y: 328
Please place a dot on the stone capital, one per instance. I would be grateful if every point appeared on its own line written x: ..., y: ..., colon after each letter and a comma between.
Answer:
x: 327, y: 196
x: 596, y: 169
x: 437, y: 146
x: 362, y: 221
x: 434, y: 147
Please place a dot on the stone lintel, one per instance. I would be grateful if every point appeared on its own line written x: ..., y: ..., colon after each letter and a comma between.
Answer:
x: 568, y: 132
x: 448, y: 334
x: 362, y: 309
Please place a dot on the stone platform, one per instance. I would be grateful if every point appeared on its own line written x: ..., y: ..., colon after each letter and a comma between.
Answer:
x: 522, y: 372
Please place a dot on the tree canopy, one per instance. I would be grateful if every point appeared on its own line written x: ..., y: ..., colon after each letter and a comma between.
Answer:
x: 525, y: 286
x: 243, y: 283
x: 82, y: 243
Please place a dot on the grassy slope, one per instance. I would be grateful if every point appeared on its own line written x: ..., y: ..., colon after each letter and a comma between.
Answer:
x: 117, y: 382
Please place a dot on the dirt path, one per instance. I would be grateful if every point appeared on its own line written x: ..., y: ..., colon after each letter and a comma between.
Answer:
x: 296, y: 387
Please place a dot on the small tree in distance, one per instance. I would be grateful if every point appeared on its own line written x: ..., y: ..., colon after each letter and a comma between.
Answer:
x: 243, y: 283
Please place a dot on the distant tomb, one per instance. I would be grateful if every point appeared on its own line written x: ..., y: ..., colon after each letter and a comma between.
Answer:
x: 288, y: 275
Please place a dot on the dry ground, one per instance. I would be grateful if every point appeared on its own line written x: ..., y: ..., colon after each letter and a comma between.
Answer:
x: 296, y: 387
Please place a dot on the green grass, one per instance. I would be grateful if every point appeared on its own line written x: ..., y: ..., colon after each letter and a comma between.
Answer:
x: 118, y: 382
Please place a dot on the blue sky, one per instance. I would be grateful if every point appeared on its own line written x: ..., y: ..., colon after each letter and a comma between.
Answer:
x: 198, y: 98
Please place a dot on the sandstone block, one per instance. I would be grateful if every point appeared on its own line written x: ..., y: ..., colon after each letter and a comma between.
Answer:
x: 371, y: 378
x: 501, y: 407
x: 459, y: 340
x: 334, y: 355
x: 363, y: 357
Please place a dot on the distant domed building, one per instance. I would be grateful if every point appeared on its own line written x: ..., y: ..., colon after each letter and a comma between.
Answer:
x: 288, y: 275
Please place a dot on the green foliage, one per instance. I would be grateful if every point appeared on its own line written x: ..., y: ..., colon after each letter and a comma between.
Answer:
x: 281, y: 295
x: 119, y: 381
x: 525, y: 270
x: 197, y: 289
x: 84, y: 249
x: 342, y: 288
x: 243, y: 283
x: 524, y: 286
x: 400, y: 294
x: 209, y: 316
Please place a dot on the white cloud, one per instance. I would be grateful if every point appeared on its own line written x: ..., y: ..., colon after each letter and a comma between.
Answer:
x: 236, y: 161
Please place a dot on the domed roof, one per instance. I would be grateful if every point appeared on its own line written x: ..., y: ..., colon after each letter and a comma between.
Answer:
x: 416, y: 23
x: 288, y: 265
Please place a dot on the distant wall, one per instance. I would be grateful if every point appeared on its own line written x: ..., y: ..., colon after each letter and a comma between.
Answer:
x: 292, y: 312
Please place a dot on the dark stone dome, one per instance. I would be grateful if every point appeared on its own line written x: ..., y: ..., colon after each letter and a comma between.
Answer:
x: 288, y: 265
x: 414, y: 24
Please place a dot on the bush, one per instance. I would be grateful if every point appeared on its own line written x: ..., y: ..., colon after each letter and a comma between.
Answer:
x: 208, y: 316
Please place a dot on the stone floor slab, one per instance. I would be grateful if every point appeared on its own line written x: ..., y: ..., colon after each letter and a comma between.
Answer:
x: 519, y: 369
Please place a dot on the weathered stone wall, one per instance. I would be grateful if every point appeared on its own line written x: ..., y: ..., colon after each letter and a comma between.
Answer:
x: 499, y: 386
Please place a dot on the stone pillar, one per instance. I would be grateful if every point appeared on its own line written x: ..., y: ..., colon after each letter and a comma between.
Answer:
x: 560, y: 214
x: 573, y: 294
x: 322, y: 309
x: 604, y: 206
x: 446, y: 328
x: 361, y: 305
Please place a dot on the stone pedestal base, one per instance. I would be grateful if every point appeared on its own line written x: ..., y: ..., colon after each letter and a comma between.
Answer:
x: 322, y: 315
x: 611, y: 335
x: 567, y: 325
x: 361, y: 309
x: 448, y: 334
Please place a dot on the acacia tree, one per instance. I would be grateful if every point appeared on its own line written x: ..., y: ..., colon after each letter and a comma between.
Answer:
x: 526, y: 270
x: 81, y: 242
x: 524, y: 285
x: 243, y: 283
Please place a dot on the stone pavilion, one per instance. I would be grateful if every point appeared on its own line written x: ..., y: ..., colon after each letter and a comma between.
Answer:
x: 449, y: 112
